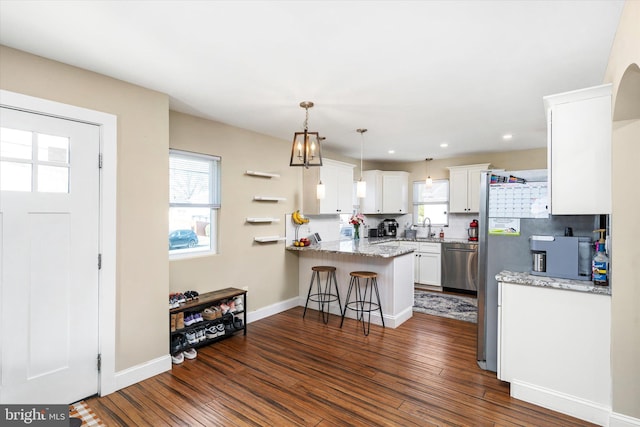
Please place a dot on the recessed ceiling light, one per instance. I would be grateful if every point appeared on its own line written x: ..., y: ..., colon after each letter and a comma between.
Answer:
x: 391, y: 151
x: 507, y: 137
x: 444, y: 145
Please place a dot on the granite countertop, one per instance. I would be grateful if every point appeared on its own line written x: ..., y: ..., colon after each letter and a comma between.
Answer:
x: 361, y: 247
x: 551, y: 282
x: 376, y: 240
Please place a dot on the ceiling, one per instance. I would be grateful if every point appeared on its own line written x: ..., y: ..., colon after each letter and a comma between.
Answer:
x: 416, y: 74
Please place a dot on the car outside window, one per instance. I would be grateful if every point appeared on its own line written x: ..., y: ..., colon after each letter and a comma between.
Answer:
x: 194, y: 201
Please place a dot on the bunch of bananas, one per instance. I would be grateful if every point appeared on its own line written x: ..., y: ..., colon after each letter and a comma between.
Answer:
x: 298, y: 219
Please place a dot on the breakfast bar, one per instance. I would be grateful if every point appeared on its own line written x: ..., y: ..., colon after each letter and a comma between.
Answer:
x: 392, y: 262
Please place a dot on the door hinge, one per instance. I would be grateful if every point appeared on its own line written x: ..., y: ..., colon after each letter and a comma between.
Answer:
x: 99, y: 362
x: 99, y: 261
x: 100, y: 161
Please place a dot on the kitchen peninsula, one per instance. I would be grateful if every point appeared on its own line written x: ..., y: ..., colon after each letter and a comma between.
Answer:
x: 392, y: 262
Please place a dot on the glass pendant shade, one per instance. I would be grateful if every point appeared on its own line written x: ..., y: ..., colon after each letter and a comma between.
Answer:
x: 428, y: 182
x: 320, y: 191
x: 361, y: 189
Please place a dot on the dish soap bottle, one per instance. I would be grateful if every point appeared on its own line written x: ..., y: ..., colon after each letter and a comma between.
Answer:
x: 442, y: 233
x: 600, y: 263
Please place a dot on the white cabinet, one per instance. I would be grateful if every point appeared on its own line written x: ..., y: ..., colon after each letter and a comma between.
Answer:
x: 337, y: 178
x: 428, y: 264
x: 554, y: 347
x: 579, y: 151
x: 387, y: 192
x: 464, y: 188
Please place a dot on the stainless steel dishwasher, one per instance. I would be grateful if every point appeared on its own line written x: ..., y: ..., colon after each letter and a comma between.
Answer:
x: 460, y: 265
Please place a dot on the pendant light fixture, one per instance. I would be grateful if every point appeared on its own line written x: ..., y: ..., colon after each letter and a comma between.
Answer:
x: 305, y: 150
x: 428, y: 182
x: 320, y: 188
x: 361, y: 186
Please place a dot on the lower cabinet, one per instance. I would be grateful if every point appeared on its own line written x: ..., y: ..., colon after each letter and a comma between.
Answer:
x: 554, y: 348
x: 209, y: 318
x: 428, y: 264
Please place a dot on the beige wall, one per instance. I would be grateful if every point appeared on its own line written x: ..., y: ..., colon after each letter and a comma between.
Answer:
x: 625, y: 280
x: 142, y: 222
x: 270, y: 272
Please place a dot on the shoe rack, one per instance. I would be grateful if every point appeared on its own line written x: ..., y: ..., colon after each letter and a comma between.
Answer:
x: 230, y: 320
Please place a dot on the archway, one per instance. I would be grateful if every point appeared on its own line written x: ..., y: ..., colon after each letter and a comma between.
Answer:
x: 625, y: 304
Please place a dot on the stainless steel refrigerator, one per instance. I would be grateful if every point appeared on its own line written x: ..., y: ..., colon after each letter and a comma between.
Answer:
x: 510, y: 250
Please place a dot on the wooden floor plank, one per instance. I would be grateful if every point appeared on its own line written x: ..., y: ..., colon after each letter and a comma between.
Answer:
x: 290, y: 371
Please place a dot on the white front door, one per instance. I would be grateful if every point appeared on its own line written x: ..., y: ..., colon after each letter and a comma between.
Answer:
x: 49, y: 230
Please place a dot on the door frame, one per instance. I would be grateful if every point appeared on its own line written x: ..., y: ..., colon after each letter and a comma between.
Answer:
x: 107, y: 218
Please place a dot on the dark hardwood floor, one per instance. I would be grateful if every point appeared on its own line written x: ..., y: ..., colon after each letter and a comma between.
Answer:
x: 290, y: 371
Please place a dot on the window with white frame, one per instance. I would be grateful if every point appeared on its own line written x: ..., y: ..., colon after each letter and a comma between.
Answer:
x: 194, y: 200
x: 431, y: 202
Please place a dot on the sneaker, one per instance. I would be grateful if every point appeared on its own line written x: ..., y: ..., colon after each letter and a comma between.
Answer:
x: 189, y: 320
x: 181, y: 298
x: 201, y: 335
x: 190, y: 354
x: 176, y: 343
x: 239, y: 304
x: 197, y: 317
x: 220, y: 327
x: 191, y: 336
x: 232, y: 306
x: 173, y: 302
x: 237, y: 322
x: 211, y: 313
x: 224, y: 308
x: 177, y: 358
x: 211, y: 332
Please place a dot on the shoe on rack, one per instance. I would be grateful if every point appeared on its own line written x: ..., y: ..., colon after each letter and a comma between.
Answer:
x: 173, y: 302
x: 192, y: 337
x: 221, y: 329
x: 189, y: 319
x: 177, y: 358
x: 197, y: 317
x: 239, y: 304
x: 237, y: 322
x: 190, y: 354
x: 177, y: 343
x: 210, y: 313
x: 201, y: 334
x: 180, y: 320
x: 232, y: 306
x: 181, y: 298
x: 224, y: 308
x: 211, y: 332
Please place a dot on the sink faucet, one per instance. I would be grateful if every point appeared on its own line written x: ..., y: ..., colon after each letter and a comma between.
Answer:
x: 423, y: 222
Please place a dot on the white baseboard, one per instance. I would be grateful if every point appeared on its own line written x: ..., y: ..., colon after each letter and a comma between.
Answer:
x: 389, y: 321
x: 272, y: 309
x: 561, y: 402
x: 619, y: 420
x: 141, y: 372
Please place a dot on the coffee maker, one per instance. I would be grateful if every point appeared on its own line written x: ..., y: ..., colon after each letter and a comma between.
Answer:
x: 390, y: 227
x: 564, y: 257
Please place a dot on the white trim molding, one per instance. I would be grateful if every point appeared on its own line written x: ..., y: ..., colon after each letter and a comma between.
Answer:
x: 619, y: 420
x: 143, y: 371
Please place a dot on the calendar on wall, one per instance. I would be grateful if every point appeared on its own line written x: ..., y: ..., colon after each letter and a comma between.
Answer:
x: 511, y: 200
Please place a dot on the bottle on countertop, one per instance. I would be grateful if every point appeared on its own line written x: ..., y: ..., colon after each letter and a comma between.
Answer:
x: 442, y: 233
x: 600, y: 263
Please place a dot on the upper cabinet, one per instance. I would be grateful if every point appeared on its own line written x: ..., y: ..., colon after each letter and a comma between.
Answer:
x: 464, y: 188
x: 387, y: 192
x: 579, y: 151
x: 337, y: 178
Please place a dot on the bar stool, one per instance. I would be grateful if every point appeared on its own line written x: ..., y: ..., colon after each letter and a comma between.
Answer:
x: 363, y: 304
x: 323, y: 296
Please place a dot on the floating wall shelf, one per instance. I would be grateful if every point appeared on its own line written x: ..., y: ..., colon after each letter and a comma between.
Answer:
x: 256, y: 220
x: 269, y: 199
x: 263, y: 174
x: 269, y: 239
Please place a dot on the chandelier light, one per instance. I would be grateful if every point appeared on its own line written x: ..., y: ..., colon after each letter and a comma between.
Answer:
x: 428, y: 182
x: 305, y: 150
x: 361, y: 186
